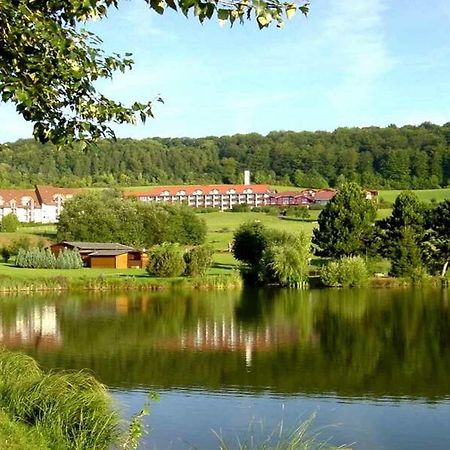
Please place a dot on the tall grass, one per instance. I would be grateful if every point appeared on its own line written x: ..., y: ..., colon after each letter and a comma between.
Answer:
x: 301, y: 438
x: 70, y: 410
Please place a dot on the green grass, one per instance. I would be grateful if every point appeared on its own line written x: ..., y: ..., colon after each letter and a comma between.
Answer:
x: 9, y: 270
x: 67, y: 410
x: 425, y: 195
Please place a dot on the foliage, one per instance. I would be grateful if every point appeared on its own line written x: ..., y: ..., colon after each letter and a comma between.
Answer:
x: 51, y: 64
x: 272, y: 256
x: 249, y: 242
x: 286, y: 262
x: 166, y: 260
x: 349, y: 271
x: 436, y: 245
x: 344, y: 222
x: 106, y: 217
x: 401, y: 235
x: 363, y: 155
x: 239, y: 207
x: 301, y: 212
x: 24, y: 242
x: 72, y: 410
x: 9, y: 223
x: 198, y: 260
x: 39, y: 258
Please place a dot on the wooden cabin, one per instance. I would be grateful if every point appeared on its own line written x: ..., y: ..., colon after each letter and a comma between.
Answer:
x: 105, y: 255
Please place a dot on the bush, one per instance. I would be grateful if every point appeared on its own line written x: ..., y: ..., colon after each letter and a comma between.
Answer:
x: 349, y: 271
x: 206, y: 210
x: 286, y: 262
x: 239, y: 207
x: 166, y: 260
x: 6, y: 253
x: 9, y: 223
x: 198, y: 260
x: 301, y: 212
x: 38, y: 258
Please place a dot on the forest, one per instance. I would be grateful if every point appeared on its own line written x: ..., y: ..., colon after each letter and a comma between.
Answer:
x: 408, y: 157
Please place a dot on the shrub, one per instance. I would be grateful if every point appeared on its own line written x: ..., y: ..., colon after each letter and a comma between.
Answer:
x: 250, y: 241
x: 166, y: 260
x: 9, y: 223
x: 206, y: 210
x: 39, y: 258
x: 301, y: 212
x: 349, y: 271
x: 286, y: 263
x: 198, y: 260
x: 6, y: 253
x: 239, y: 207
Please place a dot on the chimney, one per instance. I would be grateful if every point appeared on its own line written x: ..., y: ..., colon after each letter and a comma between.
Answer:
x: 247, y: 177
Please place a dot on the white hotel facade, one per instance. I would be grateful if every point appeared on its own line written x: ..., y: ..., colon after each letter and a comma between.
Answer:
x: 222, y: 196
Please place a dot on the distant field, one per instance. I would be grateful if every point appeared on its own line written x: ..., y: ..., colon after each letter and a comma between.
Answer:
x: 425, y: 195
x: 221, y: 225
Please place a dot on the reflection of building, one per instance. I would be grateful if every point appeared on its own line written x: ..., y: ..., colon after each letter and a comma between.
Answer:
x: 37, y: 327
x: 227, y: 335
x: 42, y: 204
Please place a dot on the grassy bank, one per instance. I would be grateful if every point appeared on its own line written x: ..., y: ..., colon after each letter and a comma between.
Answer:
x: 13, y: 279
x: 52, y: 410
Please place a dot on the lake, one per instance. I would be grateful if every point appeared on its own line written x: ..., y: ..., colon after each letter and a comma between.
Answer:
x: 373, y: 366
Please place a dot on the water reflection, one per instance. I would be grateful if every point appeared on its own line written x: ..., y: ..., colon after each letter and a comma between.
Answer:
x: 350, y: 343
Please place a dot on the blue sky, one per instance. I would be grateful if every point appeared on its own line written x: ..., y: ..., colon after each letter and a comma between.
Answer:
x: 354, y: 63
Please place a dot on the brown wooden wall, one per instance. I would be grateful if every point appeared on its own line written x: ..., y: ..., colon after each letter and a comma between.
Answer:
x: 109, y: 262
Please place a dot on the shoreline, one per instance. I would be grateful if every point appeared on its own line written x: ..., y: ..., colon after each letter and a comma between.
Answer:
x: 60, y: 283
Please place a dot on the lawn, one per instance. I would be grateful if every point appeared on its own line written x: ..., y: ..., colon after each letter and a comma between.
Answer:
x: 425, y: 195
x: 221, y: 225
x: 23, y: 274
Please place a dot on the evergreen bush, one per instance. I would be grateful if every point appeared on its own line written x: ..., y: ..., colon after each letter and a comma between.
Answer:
x: 39, y: 258
x: 166, y: 260
x: 198, y: 260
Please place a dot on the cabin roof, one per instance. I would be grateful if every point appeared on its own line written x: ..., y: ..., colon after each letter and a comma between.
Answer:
x: 97, y: 246
x: 108, y: 253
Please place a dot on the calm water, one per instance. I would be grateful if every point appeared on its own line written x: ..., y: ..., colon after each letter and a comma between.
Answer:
x: 373, y: 365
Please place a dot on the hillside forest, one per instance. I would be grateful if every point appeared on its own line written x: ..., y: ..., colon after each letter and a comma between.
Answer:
x: 408, y: 157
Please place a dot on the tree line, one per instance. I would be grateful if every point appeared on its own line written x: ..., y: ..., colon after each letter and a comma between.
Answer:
x: 408, y: 157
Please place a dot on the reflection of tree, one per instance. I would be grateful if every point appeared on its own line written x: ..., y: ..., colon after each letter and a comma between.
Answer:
x: 349, y: 342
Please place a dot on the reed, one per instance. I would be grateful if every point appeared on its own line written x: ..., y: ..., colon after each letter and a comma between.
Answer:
x: 301, y: 438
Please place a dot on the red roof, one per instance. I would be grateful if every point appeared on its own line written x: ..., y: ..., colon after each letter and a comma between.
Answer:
x: 20, y: 196
x: 48, y: 194
x: 294, y: 194
x: 324, y: 194
x: 223, y: 189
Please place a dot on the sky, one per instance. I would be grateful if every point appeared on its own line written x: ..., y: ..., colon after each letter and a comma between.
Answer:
x: 353, y: 63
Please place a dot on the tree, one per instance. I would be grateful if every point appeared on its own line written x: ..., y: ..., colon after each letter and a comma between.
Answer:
x: 249, y: 242
x: 50, y: 64
x: 344, y: 223
x: 9, y: 223
x: 436, y: 246
x: 401, y: 235
x: 106, y: 217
